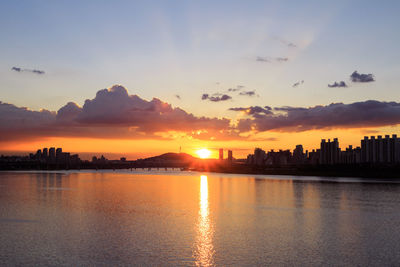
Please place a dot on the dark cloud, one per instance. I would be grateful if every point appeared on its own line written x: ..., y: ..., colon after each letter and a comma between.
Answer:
x: 337, y: 115
x: 248, y: 93
x: 27, y: 70
x: 338, y: 84
x: 271, y: 59
x: 113, y: 113
x: 217, y: 97
x: 253, y: 110
x: 16, y: 69
x: 361, y: 78
x: 298, y: 83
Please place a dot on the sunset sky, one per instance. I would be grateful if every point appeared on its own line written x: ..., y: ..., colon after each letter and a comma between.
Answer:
x: 140, y: 78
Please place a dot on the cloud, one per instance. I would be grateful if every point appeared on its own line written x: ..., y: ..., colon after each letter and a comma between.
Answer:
x: 113, y: 113
x: 298, y: 83
x: 216, y: 97
x: 271, y: 59
x: 17, y: 69
x: 338, y: 84
x: 248, y: 93
x: 281, y: 59
x: 237, y: 88
x: 253, y: 110
x: 285, y: 42
x: 370, y: 113
x: 361, y: 78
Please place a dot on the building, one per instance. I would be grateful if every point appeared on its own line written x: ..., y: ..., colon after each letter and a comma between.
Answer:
x: 330, y: 152
x: 281, y: 157
x: 45, y: 153
x: 259, y: 156
x: 52, y: 155
x: 230, y: 156
x: 350, y: 155
x: 221, y: 154
x: 298, y: 155
x: 380, y: 150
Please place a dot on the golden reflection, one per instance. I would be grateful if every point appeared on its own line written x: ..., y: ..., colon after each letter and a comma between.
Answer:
x: 204, y: 249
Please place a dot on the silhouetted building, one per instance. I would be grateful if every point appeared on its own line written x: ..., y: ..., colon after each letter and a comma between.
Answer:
x: 38, y: 154
x: 314, y: 157
x: 282, y: 157
x: 52, y: 155
x: 45, y: 153
x: 221, y: 154
x: 259, y: 156
x: 350, y: 155
x: 298, y: 155
x: 230, y: 156
x: 329, y: 151
x: 380, y: 150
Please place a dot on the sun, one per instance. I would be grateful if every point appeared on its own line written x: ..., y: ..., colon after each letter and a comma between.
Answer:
x: 203, y: 153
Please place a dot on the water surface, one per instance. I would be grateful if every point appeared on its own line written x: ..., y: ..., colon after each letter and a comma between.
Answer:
x: 182, y: 218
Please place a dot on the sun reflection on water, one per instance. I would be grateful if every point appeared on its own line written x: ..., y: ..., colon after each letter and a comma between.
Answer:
x: 204, y: 249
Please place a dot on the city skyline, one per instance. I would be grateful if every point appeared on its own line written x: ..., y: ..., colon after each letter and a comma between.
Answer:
x: 372, y: 149
x: 196, y: 75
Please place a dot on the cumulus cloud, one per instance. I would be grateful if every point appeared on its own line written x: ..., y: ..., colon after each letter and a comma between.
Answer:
x: 216, y: 97
x: 17, y: 69
x: 338, y: 84
x: 370, y: 113
x: 271, y: 59
x: 298, y: 83
x: 361, y: 78
x: 113, y: 113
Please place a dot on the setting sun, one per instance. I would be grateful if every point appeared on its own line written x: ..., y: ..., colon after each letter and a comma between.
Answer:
x: 203, y: 153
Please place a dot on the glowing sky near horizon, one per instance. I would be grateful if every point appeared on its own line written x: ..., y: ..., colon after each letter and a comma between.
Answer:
x: 165, y: 49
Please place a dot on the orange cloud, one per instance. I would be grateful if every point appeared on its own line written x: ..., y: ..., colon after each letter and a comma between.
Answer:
x: 113, y: 113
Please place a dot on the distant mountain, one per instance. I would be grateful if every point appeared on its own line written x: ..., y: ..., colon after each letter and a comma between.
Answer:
x: 171, y: 157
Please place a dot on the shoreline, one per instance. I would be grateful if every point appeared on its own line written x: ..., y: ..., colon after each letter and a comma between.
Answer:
x: 315, y: 171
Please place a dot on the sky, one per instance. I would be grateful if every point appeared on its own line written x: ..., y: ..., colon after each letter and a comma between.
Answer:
x: 140, y: 78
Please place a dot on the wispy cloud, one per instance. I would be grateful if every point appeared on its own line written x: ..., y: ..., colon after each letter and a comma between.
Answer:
x: 271, y: 59
x: 248, y: 93
x: 285, y: 42
x: 17, y: 69
x: 253, y: 110
x: 298, y: 83
x: 237, y: 88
